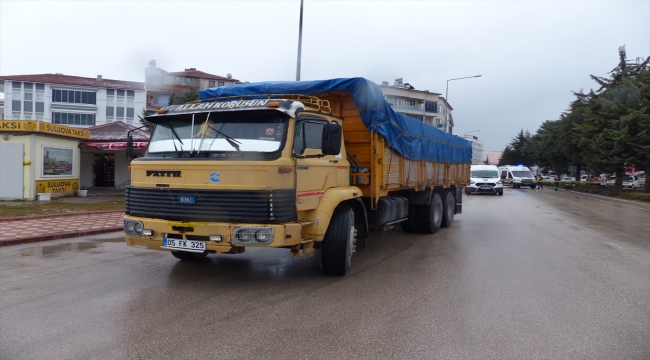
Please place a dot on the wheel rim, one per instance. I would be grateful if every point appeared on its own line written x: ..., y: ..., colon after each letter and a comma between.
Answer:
x: 437, y: 214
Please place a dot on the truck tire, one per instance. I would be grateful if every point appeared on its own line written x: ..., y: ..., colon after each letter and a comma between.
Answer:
x: 429, y: 217
x: 189, y: 256
x: 449, y: 209
x: 338, y: 245
x: 410, y: 225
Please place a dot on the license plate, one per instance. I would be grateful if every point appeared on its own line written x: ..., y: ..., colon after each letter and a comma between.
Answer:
x: 187, y: 199
x: 184, y: 244
x: 526, y: 180
x: 486, y: 187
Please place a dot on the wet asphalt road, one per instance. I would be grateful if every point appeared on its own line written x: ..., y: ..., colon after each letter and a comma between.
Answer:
x: 528, y: 275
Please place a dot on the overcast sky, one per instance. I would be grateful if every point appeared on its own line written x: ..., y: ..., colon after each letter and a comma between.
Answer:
x: 531, y: 54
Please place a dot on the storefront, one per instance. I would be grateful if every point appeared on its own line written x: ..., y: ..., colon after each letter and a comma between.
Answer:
x: 103, y: 155
x: 39, y: 157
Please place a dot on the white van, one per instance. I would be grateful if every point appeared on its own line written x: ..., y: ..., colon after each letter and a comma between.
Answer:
x: 517, y: 176
x: 484, y: 179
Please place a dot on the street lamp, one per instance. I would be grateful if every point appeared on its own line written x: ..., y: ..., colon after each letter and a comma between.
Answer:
x: 299, y: 45
x: 447, y: 91
x: 465, y: 135
x: 447, y: 95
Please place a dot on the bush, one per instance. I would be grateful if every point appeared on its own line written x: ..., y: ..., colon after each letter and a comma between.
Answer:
x: 611, y: 192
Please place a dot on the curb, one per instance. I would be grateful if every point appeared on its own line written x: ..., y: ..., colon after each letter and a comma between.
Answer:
x: 58, y: 236
x: 31, y: 217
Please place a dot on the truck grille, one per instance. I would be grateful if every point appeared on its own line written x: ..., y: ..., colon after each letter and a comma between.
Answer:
x: 265, y: 206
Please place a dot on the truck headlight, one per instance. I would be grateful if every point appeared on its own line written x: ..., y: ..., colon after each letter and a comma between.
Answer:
x: 252, y: 235
x: 133, y: 227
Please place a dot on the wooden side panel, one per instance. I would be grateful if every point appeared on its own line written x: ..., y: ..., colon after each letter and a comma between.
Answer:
x: 392, y: 167
x: 411, y: 172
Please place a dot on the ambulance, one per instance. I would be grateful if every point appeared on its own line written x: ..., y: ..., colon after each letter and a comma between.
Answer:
x: 517, y: 176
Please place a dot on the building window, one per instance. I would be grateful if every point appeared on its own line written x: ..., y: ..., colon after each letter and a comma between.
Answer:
x: 129, y: 101
x: 431, y: 106
x: 120, y: 101
x: 410, y: 103
x: 73, y: 118
x: 39, y: 117
x: 188, y: 81
x: 15, y: 94
x: 393, y: 101
x: 120, y: 112
x: 110, y: 111
x: 220, y: 83
x: 129, y: 121
x: 130, y: 112
x: 16, y: 85
x: 211, y: 83
x: 28, y: 116
x: 73, y: 96
x: 177, y: 80
x: 16, y: 115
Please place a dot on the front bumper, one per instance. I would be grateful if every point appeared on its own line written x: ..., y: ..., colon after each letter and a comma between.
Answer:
x: 284, y: 235
x: 485, y: 189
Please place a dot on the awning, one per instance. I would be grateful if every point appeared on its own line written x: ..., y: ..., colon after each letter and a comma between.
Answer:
x: 115, y: 145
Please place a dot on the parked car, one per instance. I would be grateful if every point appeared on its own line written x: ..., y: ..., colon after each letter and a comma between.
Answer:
x: 568, y: 179
x: 642, y: 181
x: 631, y: 182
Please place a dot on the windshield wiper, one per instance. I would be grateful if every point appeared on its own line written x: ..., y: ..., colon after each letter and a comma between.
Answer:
x: 229, y: 139
x: 171, y: 127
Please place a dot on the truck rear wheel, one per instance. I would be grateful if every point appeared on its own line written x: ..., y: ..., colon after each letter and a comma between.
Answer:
x: 189, y: 256
x: 429, y: 217
x: 449, y: 209
x: 410, y: 225
x: 338, y: 245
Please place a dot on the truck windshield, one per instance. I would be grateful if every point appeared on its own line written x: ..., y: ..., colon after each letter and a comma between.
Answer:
x: 521, y: 174
x: 249, y: 131
x: 485, y: 174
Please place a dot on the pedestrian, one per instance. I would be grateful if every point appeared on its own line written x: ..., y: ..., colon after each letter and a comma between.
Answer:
x: 603, y: 181
x: 539, y: 182
x: 556, y: 181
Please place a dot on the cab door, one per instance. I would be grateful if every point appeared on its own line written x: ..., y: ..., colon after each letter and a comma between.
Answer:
x: 314, y: 173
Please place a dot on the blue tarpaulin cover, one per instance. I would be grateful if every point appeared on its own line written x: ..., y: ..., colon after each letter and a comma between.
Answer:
x: 410, y: 137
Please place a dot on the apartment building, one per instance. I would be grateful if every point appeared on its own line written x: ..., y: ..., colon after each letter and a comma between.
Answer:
x: 428, y: 107
x: 70, y: 100
x: 162, y: 85
x: 477, y: 149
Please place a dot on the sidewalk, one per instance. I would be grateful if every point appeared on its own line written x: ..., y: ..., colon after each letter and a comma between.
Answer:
x: 29, y: 229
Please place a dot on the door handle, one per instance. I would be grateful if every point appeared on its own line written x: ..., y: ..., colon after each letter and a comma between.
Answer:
x: 334, y: 161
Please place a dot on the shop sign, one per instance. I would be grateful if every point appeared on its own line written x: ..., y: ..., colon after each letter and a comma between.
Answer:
x: 43, y: 127
x: 59, y: 186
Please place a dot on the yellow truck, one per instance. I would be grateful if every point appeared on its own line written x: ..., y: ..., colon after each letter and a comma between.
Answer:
x: 296, y: 165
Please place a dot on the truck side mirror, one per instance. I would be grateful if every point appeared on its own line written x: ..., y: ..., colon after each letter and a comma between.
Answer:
x: 332, y: 136
x: 129, y: 148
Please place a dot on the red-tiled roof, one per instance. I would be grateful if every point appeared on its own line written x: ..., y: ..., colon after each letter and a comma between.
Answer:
x: 117, y: 131
x: 193, y: 73
x: 75, y: 80
x: 168, y: 87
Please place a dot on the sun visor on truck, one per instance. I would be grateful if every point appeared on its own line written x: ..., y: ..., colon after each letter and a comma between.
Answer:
x: 410, y: 137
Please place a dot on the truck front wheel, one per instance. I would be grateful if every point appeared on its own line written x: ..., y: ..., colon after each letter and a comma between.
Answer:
x: 430, y: 216
x: 338, y: 245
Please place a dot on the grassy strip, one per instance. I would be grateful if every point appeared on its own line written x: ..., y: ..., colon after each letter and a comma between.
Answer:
x: 57, y: 206
x: 627, y: 194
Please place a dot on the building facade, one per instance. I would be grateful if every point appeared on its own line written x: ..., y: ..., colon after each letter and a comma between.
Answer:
x: 162, y: 85
x: 477, y: 149
x: 428, y: 107
x: 70, y: 100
